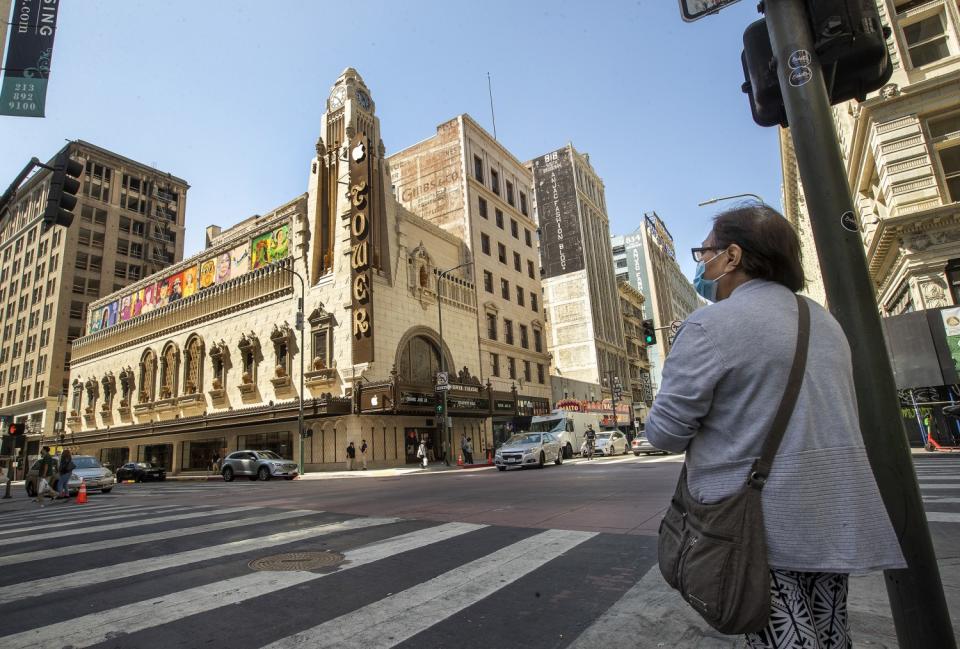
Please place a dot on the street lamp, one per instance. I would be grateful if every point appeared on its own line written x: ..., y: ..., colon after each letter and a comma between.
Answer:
x: 303, y: 349
x: 710, y: 201
x: 443, y: 358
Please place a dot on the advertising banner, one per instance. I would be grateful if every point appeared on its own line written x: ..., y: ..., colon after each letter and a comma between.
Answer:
x: 361, y: 276
x: 30, y: 50
x: 266, y: 248
x: 561, y: 245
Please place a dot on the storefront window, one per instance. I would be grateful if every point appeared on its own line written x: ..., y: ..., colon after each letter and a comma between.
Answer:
x: 114, y: 458
x: 279, y: 442
x: 159, y: 454
x: 198, y: 455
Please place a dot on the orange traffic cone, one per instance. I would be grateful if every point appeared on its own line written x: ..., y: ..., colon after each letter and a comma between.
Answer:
x: 82, y: 494
x: 489, y: 458
x: 460, y: 459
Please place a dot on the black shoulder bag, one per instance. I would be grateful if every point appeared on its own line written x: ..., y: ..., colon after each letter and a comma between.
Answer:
x: 715, y: 554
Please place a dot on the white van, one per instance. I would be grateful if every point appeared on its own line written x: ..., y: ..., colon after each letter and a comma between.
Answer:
x: 568, y: 426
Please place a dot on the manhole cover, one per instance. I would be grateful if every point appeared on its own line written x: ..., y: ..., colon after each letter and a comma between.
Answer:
x: 298, y: 561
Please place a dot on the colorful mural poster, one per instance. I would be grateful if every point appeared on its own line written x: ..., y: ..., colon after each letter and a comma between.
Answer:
x: 190, y: 281
x: 174, y: 287
x: 163, y: 294
x: 114, y: 315
x: 951, y: 326
x: 270, y: 247
x: 149, y: 298
x: 239, y: 261
x: 208, y: 272
x: 136, y: 308
x: 104, y: 317
x: 281, y: 243
x: 125, y: 308
x: 260, y: 250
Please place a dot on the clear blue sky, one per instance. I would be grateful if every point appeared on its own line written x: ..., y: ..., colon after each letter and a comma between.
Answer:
x: 228, y: 94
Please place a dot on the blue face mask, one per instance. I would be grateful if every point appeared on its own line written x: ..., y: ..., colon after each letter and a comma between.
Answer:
x: 706, y: 288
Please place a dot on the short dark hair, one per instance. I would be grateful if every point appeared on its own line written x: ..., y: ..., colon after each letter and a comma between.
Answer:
x: 771, y: 247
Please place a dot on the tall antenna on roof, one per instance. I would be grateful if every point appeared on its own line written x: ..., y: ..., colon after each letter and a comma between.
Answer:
x: 492, y: 116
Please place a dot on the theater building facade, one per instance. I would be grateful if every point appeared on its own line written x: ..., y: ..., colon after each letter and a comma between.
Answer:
x: 205, y: 357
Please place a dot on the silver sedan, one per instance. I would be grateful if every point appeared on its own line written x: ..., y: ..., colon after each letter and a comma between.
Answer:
x: 529, y: 449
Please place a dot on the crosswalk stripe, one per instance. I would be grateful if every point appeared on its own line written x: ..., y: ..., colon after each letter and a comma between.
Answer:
x: 93, y: 628
x: 38, y: 555
x: 401, y: 616
x: 953, y: 485
x: 21, y: 516
x: 934, y: 500
x: 924, y: 478
x: 84, y: 578
x: 145, y: 521
x: 62, y: 522
x: 943, y: 517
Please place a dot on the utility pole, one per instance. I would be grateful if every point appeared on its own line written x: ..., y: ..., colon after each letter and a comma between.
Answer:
x: 916, y: 593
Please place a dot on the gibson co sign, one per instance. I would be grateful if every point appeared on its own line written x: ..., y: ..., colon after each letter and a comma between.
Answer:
x: 361, y: 279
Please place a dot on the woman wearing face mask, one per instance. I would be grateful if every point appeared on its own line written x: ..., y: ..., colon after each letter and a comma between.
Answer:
x: 721, y: 388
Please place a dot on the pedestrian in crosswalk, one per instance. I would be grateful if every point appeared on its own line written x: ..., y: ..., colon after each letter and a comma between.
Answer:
x: 45, y: 471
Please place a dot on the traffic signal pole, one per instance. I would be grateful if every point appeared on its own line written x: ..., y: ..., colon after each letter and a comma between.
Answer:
x: 916, y: 593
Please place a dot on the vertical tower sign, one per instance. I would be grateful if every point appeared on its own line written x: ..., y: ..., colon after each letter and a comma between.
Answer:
x: 361, y: 280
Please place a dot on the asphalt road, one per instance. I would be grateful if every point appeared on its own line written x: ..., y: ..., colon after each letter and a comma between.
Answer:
x: 560, y: 557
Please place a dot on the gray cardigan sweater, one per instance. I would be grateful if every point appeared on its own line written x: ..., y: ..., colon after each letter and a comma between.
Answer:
x: 722, y: 383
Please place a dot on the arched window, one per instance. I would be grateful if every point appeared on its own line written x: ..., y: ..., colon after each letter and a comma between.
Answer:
x: 169, y: 364
x: 419, y: 360
x: 148, y: 376
x: 193, y: 366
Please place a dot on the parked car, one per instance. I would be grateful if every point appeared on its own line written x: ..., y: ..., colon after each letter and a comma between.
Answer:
x: 141, y: 472
x: 642, y: 445
x: 88, y: 469
x: 257, y: 465
x: 611, y: 442
x: 529, y: 449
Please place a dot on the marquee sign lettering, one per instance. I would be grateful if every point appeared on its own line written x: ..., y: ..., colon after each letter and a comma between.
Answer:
x: 361, y: 280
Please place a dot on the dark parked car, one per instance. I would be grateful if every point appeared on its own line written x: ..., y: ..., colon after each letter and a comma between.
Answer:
x: 141, y: 472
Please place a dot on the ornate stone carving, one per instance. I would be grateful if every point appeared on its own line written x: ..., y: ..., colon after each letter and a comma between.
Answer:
x: 890, y: 90
x: 934, y: 293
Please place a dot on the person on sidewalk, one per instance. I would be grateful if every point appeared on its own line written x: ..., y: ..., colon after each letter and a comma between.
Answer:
x: 734, y: 357
x: 430, y: 454
x: 422, y: 453
x: 363, y: 453
x: 351, y: 455
x: 66, y: 469
x: 466, y: 449
x: 45, y: 471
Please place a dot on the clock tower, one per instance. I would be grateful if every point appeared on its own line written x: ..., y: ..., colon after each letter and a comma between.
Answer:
x: 350, y: 112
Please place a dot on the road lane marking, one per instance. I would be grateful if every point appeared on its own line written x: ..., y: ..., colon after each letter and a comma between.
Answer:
x: 94, y: 628
x: 397, y: 618
x: 52, y: 553
x: 943, y: 517
x: 119, y: 526
x: 62, y: 522
x: 954, y: 485
x: 83, y: 578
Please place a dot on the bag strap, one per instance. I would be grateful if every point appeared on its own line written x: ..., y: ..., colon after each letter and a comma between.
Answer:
x: 761, y: 467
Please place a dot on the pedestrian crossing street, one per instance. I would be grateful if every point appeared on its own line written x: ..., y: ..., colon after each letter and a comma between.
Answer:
x: 116, y: 574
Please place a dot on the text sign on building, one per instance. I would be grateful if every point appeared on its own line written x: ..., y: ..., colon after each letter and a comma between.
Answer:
x: 692, y: 10
x: 361, y: 276
x: 27, y: 68
x: 561, y: 246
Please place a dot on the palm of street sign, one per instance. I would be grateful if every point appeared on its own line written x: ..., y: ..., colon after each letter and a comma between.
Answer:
x: 692, y: 10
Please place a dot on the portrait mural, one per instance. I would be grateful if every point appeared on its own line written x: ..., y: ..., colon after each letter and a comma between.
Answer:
x: 263, y: 249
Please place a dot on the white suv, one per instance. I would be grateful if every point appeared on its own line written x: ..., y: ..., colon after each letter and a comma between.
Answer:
x: 258, y: 465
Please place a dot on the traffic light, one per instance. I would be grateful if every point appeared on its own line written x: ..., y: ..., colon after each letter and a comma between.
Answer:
x: 64, y: 185
x: 649, y: 333
x: 16, y: 429
x: 850, y: 42
x: 440, y: 408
